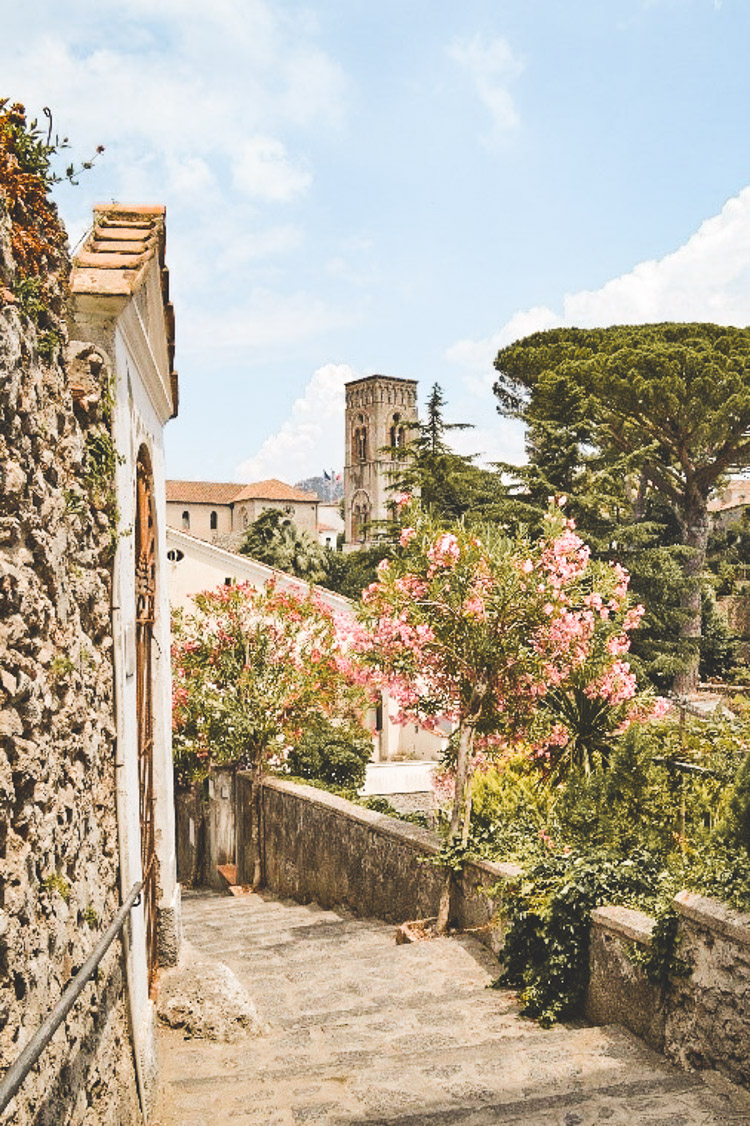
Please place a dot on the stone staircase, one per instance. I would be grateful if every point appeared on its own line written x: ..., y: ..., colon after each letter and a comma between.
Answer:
x: 360, y: 1030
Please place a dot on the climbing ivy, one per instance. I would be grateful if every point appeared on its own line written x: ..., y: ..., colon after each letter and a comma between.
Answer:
x: 546, y: 950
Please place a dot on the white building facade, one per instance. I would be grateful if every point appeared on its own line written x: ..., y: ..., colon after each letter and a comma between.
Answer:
x: 122, y: 322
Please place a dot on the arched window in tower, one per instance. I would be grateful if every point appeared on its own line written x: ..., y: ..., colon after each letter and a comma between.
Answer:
x: 359, y: 439
x: 398, y: 432
x: 186, y: 519
x: 213, y: 521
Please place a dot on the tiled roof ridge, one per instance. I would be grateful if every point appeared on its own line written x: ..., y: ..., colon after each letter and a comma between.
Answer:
x: 229, y: 492
x: 274, y: 489
x: 122, y: 241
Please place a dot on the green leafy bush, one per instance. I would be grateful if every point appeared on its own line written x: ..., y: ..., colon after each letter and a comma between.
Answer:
x: 546, y: 951
x: 671, y: 811
x: 331, y: 752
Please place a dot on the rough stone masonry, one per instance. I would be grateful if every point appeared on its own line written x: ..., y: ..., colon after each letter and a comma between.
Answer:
x: 58, y: 832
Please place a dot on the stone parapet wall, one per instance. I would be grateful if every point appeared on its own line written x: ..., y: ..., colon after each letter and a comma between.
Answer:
x: 701, y: 1018
x: 59, y: 867
x: 619, y: 991
x: 320, y: 847
x: 707, y: 1020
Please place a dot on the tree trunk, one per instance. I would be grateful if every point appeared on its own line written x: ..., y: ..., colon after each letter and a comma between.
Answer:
x: 255, y: 833
x: 459, y: 817
x: 695, y: 527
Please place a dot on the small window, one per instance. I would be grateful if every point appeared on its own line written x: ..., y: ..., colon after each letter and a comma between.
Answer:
x: 228, y: 581
x: 186, y: 519
x: 174, y: 555
x: 214, y: 520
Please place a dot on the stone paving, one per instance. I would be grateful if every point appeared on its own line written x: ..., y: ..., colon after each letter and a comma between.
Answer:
x: 360, y: 1030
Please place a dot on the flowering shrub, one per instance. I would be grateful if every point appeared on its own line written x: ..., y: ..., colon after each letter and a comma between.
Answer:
x: 521, y: 645
x: 250, y: 670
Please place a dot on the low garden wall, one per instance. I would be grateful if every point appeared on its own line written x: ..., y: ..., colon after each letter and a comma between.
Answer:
x: 320, y: 847
x: 702, y: 1018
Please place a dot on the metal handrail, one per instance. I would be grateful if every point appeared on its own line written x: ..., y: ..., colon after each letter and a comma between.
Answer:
x: 18, y: 1071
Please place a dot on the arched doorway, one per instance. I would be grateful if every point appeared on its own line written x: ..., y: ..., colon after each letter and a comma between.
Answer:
x: 145, y: 596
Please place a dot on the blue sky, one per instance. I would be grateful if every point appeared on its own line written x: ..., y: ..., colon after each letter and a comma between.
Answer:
x: 398, y: 187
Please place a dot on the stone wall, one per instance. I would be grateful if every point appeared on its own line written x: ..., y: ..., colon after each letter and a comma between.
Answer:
x: 58, y: 830
x: 205, y: 826
x: 702, y: 1018
x: 707, y: 1021
x: 317, y: 846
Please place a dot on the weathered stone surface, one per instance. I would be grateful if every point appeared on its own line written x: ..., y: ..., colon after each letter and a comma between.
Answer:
x: 58, y: 833
x: 364, y: 1031
x: 205, y: 1000
x: 708, y: 1015
x: 619, y: 990
x: 320, y: 847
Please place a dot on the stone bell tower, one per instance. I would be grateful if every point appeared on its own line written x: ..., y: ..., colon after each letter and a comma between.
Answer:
x: 379, y: 413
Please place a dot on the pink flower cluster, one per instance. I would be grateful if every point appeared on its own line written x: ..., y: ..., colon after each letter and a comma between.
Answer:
x: 445, y: 550
x: 615, y: 685
x: 565, y: 559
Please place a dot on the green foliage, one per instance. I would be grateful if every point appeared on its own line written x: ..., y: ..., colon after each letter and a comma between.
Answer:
x: 660, y: 961
x: 351, y: 572
x: 101, y: 464
x: 546, y: 947
x: 718, y: 645
x: 61, y: 668
x: 330, y: 752
x: 669, y: 810
x: 720, y: 868
x: 735, y: 824
x: 251, y: 672
x: 663, y: 409
x: 90, y: 917
x: 275, y: 540
x: 511, y: 810
x: 449, y: 485
x: 55, y: 882
x: 75, y: 504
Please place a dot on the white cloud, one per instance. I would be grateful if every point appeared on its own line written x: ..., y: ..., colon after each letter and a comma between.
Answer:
x: 706, y: 279
x: 312, y: 438
x: 492, y: 66
x: 259, y: 244
x: 262, y: 170
x: 178, y: 93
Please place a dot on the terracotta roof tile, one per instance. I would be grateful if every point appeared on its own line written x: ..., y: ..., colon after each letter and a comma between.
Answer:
x: 736, y: 493
x: 221, y: 492
x: 274, y: 489
x: 112, y: 262
x: 202, y: 492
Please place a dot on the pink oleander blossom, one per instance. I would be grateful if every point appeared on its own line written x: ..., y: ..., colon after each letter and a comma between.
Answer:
x: 402, y: 501
x: 632, y: 619
x: 445, y: 551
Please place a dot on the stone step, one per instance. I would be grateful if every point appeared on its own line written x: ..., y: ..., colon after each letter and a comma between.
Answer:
x: 362, y: 1031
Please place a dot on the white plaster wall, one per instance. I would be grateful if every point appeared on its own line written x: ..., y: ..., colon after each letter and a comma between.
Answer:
x: 137, y: 423
x: 204, y: 567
